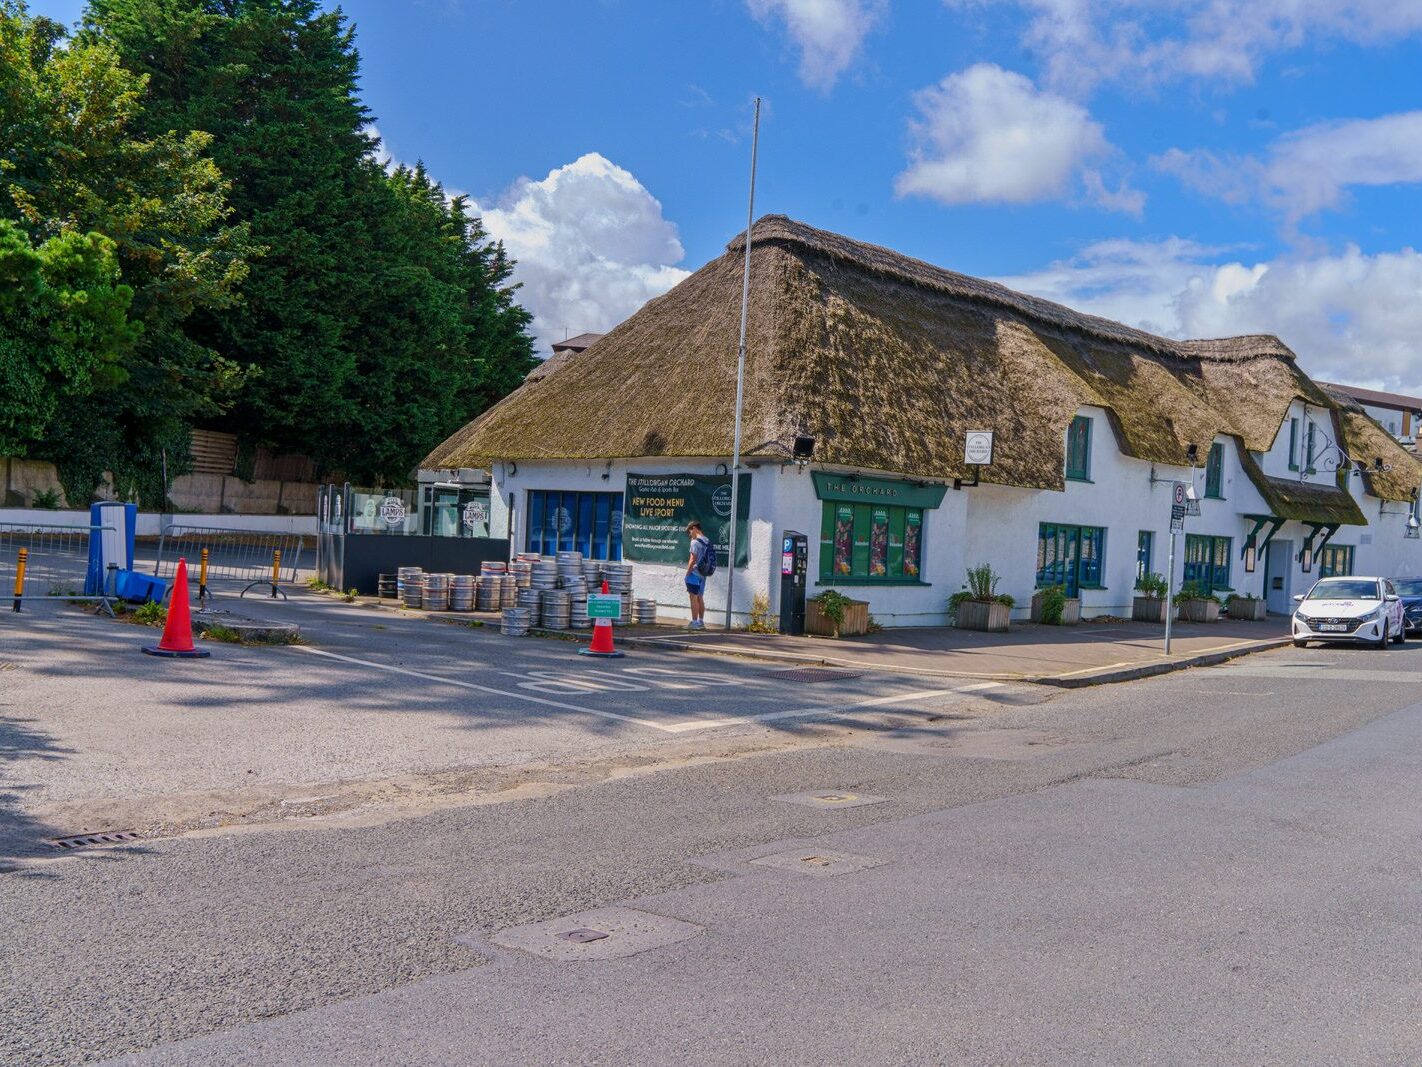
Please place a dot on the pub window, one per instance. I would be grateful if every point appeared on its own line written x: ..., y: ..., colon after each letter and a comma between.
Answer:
x: 1207, y: 562
x: 870, y: 543
x: 1070, y: 556
x: 565, y: 521
x: 1145, y: 548
x: 1335, y: 561
x: 1078, y: 449
x: 1214, y: 472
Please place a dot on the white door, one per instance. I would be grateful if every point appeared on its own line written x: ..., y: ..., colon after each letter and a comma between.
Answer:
x: 1278, y: 577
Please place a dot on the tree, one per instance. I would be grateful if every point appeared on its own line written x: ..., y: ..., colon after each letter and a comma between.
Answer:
x: 64, y: 328
x: 380, y: 318
x: 75, y: 159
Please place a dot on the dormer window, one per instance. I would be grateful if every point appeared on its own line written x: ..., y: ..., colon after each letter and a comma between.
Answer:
x: 1078, y: 449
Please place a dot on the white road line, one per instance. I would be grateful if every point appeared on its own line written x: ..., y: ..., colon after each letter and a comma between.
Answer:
x: 802, y: 713
x: 674, y: 728
x: 485, y: 688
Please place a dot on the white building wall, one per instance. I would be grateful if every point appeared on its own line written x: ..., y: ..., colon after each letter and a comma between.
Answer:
x: 998, y: 525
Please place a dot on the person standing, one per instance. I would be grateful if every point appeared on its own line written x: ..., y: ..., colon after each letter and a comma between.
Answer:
x: 699, y: 566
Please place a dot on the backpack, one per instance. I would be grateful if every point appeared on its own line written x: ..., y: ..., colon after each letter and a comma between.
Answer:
x: 706, y: 565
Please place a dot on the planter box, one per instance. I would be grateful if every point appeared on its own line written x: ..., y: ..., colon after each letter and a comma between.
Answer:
x: 1199, y: 611
x: 856, y: 620
x: 975, y: 615
x: 1248, y: 610
x: 1071, y: 610
x: 1148, y: 609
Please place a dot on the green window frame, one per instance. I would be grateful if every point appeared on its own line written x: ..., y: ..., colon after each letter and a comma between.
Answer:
x: 1078, y: 449
x: 1073, y: 557
x: 1310, y: 442
x: 1335, y: 561
x: 1293, y: 444
x: 868, y: 544
x: 1214, y: 472
x: 1145, y: 550
x: 1207, y: 562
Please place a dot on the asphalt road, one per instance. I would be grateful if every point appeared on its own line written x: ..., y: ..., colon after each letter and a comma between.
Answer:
x: 1212, y: 866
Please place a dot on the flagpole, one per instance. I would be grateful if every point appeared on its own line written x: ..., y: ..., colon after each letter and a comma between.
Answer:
x: 741, y: 373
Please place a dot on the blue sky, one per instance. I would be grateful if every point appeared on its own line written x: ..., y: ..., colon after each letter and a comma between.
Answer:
x: 1197, y: 167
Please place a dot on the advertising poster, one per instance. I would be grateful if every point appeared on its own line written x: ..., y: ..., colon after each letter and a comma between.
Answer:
x: 657, y: 508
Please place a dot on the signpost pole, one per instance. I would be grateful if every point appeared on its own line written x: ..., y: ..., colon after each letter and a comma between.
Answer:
x: 1170, y: 591
x: 741, y: 371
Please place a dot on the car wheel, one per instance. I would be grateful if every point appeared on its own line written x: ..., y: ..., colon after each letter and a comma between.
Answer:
x: 1386, y: 637
x: 1401, y: 636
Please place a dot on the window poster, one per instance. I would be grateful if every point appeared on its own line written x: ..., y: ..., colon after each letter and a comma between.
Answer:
x: 843, y: 540
x: 879, y: 544
x: 913, y: 523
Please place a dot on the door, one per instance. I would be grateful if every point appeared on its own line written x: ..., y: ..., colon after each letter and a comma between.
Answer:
x: 1278, y: 577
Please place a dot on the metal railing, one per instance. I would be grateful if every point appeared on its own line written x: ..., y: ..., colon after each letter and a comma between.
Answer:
x: 256, y: 557
x: 40, y: 561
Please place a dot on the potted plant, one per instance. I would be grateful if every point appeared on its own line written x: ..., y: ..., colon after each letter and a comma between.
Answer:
x: 978, y: 605
x: 832, y: 614
x: 1247, y: 606
x: 1196, y: 605
x: 1052, y: 607
x: 1150, y: 605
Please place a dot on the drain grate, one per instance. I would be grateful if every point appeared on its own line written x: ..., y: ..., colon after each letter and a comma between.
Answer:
x: 108, y: 837
x: 813, y: 674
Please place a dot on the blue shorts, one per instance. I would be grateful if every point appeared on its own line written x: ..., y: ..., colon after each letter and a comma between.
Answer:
x: 695, y: 584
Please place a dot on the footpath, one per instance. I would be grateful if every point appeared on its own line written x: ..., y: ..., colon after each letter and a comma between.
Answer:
x: 1068, y: 656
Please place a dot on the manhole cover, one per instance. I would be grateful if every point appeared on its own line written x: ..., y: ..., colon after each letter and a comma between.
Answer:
x: 601, y: 934
x: 830, y: 798
x: 820, y: 863
x: 813, y: 674
x: 109, y: 837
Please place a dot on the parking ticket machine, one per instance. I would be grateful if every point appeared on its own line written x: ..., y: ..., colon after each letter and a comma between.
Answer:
x: 794, y: 562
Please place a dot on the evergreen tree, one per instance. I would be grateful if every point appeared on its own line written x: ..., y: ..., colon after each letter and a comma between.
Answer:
x: 380, y: 318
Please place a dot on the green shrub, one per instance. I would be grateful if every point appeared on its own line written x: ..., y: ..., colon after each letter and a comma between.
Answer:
x: 46, y: 500
x: 832, y: 603
x: 225, y: 634
x: 1054, y: 600
x: 1193, y: 590
x: 1153, y: 585
x: 980, y: 588
x: 151, y: 613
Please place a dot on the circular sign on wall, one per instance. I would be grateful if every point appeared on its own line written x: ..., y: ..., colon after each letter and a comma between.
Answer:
x: 721, y: 501
x: 392, y: 510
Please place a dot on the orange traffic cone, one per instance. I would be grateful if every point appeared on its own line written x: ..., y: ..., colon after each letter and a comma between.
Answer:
x: 177, y: 637
x: 602, y: 637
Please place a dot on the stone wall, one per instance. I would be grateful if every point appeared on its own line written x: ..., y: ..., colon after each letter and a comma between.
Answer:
x: 214, y: 494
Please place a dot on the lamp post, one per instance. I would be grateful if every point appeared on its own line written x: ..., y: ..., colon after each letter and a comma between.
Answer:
x: 741, y: 374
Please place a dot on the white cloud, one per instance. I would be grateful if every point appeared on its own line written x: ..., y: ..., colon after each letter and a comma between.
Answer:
x: 1350, y: 317
x: 591, y: 246
x: 1083, y: 42
x: 827, y: 32
x: 1309, y: 170
x: 989, y: 135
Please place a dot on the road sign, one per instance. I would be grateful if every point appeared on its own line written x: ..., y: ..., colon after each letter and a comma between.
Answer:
x: 1178, y: 496
x: 977, y: 448
x: 604, y: 605
x: 1177, y: 516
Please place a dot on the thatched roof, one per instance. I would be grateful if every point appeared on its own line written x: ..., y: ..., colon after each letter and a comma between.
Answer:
x: 887, y: 361
x: 1366, y: 442
x: 1289, y: 498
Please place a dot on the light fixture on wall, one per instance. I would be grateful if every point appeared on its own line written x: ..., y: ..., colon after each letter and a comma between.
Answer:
x: 1414, y: 528
x: 1306, y: 559
x: 1251, y: 558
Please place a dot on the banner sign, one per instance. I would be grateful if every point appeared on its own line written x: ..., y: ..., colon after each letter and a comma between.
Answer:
x: 604, y: 605
x: 862, y: 489
x: 657, y: 508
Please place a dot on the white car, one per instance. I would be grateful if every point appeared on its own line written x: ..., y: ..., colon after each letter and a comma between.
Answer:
x: 1363, y: 610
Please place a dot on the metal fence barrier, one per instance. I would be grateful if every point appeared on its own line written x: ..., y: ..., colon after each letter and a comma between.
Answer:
x: 259, y: 558
x: 48, y: 562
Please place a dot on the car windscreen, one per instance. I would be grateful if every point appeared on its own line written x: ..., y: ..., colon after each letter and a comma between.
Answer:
x: 1345, y: 589
x: 1408, y: 586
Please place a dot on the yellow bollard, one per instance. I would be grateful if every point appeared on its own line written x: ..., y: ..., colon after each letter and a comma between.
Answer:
x: 202, y: 579
x: 276, y: 571
x: 20, y: 576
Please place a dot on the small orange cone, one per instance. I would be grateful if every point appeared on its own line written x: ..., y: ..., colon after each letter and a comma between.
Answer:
x: 177, y: 637
x: 602, y: 638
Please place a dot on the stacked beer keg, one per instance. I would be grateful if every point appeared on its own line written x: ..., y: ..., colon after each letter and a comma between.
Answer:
x: 644, y: 611
x: 618, y: 577
x: 461, y: 592
x: 515, y: 622
x: 556, y: 609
